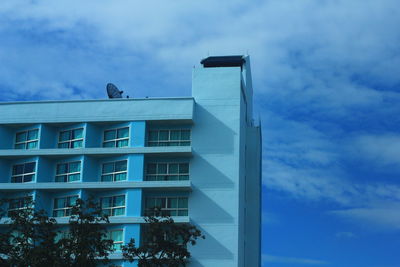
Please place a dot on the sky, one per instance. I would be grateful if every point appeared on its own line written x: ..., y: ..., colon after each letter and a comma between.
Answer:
x: 326, y: 77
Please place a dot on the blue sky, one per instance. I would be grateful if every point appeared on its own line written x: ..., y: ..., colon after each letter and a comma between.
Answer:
x: 326, y: 77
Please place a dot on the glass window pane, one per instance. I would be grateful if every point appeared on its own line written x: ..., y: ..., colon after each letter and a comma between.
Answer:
x: 74, y: 177
x: 122, y: 133
x: 119, y: 211
x: 58, y: 213
x: 153, y: 136
x: 184, y: 177
x: 108, y: 167
x: 32, y: 145
x: 63, y: 145
x: 109, y: 144
x: 20, y: 137
x: 77, y: 133
x: 18, y: 169
x: 172, y: 203
x: 122, y: 143
x: 185, y: 135
x: 107, y: 178
x: 64, y: 136
x: 116, y: 236
x: 119, y: 201
x: 151, y: 178
x: 28, y: 178
x: 184, y: 168
x: 20, y: 146
x: 173, y: 177
x: 77, y: 144
x: 61, y: 179
x: 107, y: 212
x: 175, y: 135
x: 120, y: 177
x: 30, y: 167
x: 162, y: 168
x: 75, y: 167
x: 164, y: 135
x: 17, y: 179
x: 33, y: 134
x: 72, y: 201
x: 173, y: 168
x: 120, y: 165
x: 106, y: 202
x: 150, y: 202
x: 117, y: 247
x: 151, y: 168
x: 182, y: 213
x: 59, y: 203
x: 185, y: 144
x: 109, y: 135
x: 62, y: 168
x: 183, y: 202
x: 173, y: 213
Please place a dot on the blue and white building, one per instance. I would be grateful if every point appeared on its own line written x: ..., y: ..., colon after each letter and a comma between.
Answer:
x: 197, y: 157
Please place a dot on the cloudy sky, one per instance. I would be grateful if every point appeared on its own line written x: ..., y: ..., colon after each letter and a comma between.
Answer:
x: 327, y: 89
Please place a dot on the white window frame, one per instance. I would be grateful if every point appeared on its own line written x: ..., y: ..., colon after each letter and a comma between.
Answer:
x: 65, y: 209
x: 68, y: 173
x: 115, y: 141
x: 114, y: 173
x: 23, y: 174
x: 26, y: 142
x: 168, y: 173
x: 157, y: 143
x: 112, y: 207
x: 154, y: 213
x: 70, y: 141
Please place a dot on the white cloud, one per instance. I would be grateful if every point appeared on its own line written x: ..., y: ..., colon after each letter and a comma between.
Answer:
x: 381, y: 149
x: 345, y: 235
x: 379, y: 217
x: 266, y: 258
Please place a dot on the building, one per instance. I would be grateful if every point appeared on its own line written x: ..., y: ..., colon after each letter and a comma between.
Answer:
x: 198, y: 157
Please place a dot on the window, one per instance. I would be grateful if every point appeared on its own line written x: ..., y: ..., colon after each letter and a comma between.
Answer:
x: 113, y: 206
x: 167, y: 171
x: 63, y: 205
x: 169, y: 206
x: 68, y: 172
x: 27, y: 139
x: 22, y: 173
x: 114, y: 171
x: 116, y: 137
x: 71, y: 138
x: 117, y: 236
x: 18, y: 204
x: 169, y: 137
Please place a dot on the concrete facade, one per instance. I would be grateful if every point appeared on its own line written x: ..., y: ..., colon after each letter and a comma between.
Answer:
x: 199, y: 156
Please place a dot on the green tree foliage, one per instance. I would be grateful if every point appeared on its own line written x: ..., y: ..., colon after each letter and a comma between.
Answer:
x: 86, y: 242
x: 164, y: 243
x: 31, y: 238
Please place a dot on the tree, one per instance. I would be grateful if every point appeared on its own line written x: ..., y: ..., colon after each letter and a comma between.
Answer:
x: 164, y: 243
x: 86, y: 242
x: 31, y: 238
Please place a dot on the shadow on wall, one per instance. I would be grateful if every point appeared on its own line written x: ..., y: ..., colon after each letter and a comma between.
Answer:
x: 206, y: 175
x: 209, y: 248
x: 211, y: 135
x: 206, y: 210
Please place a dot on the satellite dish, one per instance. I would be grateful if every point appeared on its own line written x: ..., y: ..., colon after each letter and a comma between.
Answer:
x: 113, y: 91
